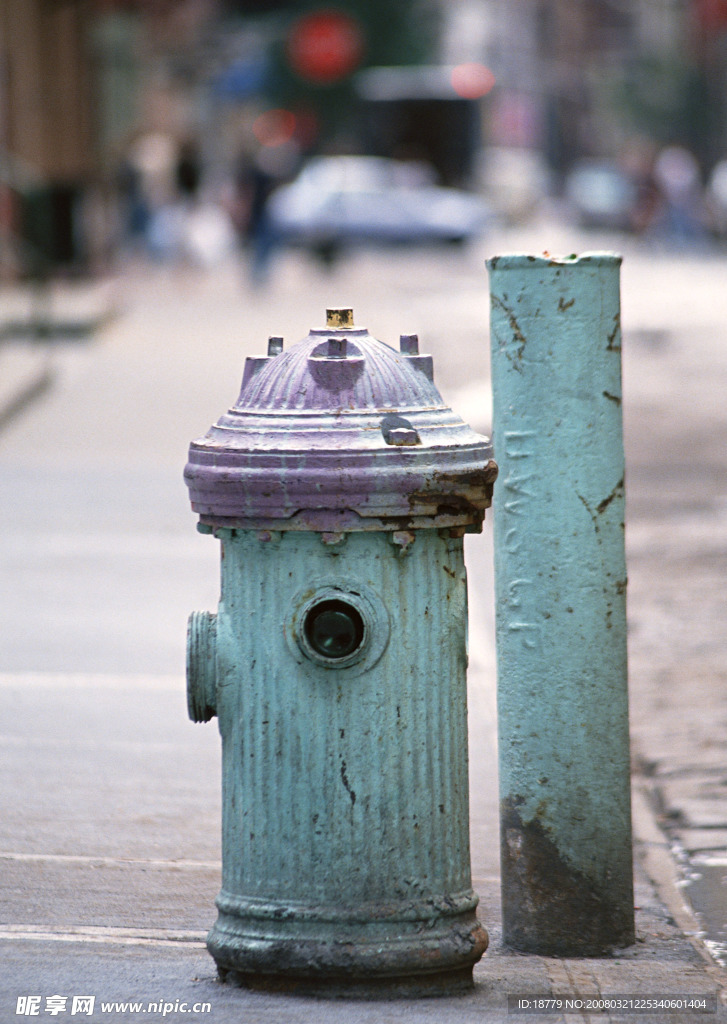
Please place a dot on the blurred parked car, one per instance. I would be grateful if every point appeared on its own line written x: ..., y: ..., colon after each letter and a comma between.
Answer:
x: 345, y: 200
x: 601, y: 194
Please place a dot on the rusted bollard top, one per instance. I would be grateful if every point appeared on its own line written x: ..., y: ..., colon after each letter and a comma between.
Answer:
x: 341, y: 433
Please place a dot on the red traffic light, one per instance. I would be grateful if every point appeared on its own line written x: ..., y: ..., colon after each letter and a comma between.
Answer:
x: 325, y: 46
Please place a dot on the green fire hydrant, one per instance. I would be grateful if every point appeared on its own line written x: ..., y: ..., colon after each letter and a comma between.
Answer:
x: 340, y: 486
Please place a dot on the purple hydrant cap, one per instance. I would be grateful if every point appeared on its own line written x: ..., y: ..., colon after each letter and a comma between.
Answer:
x: 340, y: 433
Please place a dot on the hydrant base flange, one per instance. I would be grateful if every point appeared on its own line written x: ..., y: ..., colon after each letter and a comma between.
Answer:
x: 436, y: 983
x: 355, y: 961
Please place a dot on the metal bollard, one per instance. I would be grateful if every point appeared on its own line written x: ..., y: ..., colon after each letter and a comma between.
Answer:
x: 340, y: 486
x: 560, y: 580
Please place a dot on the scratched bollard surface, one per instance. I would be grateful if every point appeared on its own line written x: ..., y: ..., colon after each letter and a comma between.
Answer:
x: 561, y: 604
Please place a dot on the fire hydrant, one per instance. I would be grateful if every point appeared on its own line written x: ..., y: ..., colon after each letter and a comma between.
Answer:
x: 340, y: 486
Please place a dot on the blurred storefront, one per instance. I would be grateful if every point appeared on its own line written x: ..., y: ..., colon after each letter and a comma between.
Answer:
x: 47, y: 153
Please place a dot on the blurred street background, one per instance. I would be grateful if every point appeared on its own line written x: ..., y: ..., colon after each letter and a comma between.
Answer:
x: 183, y: 131
x: 180, y: 180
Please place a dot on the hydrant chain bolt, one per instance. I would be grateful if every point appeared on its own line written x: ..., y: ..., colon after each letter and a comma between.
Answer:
x: 340, y: 486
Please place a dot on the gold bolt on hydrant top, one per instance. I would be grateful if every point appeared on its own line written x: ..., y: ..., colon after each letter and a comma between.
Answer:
x: 340, y: 316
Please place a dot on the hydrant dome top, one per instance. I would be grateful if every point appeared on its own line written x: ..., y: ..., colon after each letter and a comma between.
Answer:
x: 340, y: 432
x: 366, y: 375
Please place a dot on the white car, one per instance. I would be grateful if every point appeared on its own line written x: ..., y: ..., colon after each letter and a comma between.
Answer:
x: 351, y: 199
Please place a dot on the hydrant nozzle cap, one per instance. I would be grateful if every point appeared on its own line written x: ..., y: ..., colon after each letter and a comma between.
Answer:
x: 339, y: 316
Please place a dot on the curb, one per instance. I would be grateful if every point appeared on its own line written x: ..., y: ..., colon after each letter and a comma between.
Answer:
x: 26, y: 373
x: 652, y: 847
x: 29, y: 328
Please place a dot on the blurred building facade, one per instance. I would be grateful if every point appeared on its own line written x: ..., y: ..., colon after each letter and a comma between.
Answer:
x: 583, y: 77
x: 47, y: 149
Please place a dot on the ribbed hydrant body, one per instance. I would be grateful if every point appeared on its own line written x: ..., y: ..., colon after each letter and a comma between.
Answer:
x: 340, y: 486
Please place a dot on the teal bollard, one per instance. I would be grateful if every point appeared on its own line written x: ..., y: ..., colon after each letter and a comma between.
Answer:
x: 560, y: 581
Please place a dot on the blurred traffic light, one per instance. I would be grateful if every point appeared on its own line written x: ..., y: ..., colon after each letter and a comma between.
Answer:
x: 325, y: 46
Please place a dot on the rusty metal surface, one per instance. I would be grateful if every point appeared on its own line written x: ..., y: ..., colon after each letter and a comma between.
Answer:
x: 548, y: 902
x: 341, y: 432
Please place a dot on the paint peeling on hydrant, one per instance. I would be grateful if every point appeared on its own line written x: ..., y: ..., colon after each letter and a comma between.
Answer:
x: 340, y: 486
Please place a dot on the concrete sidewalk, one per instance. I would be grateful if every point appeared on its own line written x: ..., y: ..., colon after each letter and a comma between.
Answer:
x: 111, y: 798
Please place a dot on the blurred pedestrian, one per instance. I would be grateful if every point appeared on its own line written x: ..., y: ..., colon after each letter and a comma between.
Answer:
x: 206, y: 236
x: 678, y: 177
x: 637, y: 161
x: 151, y: 161
x: 188, y: 170
x: 256, y: 180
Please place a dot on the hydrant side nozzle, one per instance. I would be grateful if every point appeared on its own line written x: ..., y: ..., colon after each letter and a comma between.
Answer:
x: 202, y: 666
